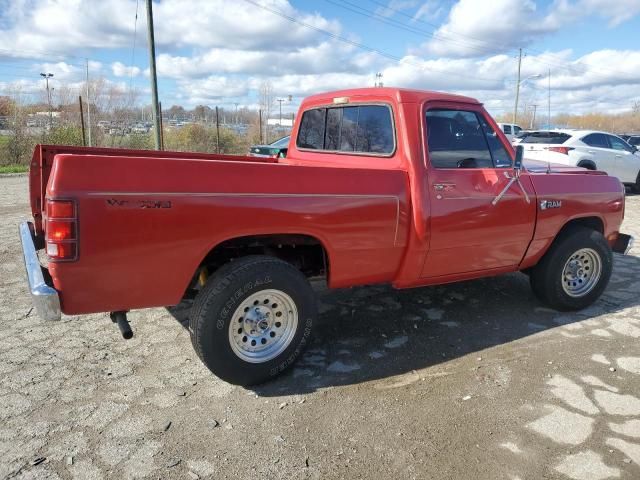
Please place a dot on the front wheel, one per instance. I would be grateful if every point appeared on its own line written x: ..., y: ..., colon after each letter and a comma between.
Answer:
x: 253, y: 319
x: 575, y: 271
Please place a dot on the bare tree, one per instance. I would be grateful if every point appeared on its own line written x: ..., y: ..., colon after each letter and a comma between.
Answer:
x: 266, y: 97
x: 20, y: 143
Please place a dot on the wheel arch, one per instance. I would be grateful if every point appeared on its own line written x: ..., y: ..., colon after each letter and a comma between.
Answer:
x: 587, y: 163
x: 592, y: 222
x: 306, y: 252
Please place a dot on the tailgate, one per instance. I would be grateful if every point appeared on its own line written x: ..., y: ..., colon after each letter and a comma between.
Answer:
x: 39, y: 172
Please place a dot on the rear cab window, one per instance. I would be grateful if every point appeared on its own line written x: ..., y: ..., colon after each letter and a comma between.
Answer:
x: 463, y: 139
x: 359, y: 129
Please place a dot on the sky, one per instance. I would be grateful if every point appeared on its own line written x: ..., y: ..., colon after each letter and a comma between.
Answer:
x: 219, y: 52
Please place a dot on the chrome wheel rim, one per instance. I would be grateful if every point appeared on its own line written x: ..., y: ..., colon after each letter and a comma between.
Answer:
x: 263, y: 326
x: 581, y: 272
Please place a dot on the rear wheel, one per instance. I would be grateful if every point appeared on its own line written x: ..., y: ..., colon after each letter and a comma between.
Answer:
x: 588, y: 164
x: 253, y: 319
x: 575, y: 271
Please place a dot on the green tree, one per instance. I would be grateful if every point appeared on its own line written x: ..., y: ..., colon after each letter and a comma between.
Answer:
x: 64, y: 135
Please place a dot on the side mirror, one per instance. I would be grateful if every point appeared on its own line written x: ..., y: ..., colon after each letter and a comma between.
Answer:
x: 517, y: 162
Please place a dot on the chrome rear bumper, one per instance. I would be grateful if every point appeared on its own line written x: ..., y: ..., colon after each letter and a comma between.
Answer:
x: 45, y: 298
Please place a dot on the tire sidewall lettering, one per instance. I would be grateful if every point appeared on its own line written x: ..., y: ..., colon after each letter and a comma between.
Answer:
x: 299, y: 348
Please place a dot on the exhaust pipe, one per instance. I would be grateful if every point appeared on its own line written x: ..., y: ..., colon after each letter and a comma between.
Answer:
x: 120, y: 318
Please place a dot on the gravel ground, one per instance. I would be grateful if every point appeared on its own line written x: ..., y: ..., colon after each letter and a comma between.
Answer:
x: 472, y: 380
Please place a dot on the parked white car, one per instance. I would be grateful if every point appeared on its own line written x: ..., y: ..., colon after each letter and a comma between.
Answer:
x: 586, y: 148
x: 510, y: 130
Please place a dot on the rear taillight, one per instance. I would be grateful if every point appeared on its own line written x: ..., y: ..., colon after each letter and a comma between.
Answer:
x: 563, y: 150
x: 61, y: 236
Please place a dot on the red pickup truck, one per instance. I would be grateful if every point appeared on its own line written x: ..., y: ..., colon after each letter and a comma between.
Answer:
x: 380, y: 185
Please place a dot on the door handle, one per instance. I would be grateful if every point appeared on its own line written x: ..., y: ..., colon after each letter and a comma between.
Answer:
x: 618, y: 156
x: 443, y: 187
x: 590, y: 151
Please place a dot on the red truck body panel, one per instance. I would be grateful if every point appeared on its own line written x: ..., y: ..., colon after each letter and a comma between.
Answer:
x: 148, y: 219
x: 136, y: 256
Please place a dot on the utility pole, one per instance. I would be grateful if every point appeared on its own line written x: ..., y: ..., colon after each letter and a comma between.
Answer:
x: 549, y: 104
x: 46, y: 77
x: 88, y: 105
x: 515, y: 108
x: 84, y: 138
x: 217, y: 131
x: 152, y: 74
x: 533, y: 118
x: 280, y: 100
x: 378, y: 82
x: 235, y: 104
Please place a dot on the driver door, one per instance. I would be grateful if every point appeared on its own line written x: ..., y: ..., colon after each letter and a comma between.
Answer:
x: 468, y: 167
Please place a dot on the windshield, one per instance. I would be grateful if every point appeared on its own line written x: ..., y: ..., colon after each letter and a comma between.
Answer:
x: 282, y: 143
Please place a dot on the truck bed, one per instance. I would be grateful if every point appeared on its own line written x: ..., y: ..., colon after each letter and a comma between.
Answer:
x: 147, y: 220
x: 43, y: 156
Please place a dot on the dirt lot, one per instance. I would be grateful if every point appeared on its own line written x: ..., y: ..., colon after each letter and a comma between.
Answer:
x: 473, y: 380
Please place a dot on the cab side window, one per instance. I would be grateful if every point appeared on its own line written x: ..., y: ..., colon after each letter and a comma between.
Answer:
x: 457, y: 139
x: 312, y: 129
x: 501, y: 157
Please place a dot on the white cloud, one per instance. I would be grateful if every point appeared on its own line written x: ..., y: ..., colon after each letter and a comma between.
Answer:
x: 62, y: 71
x: 121, y: 70
x: 62, y: 26
x: 212, y: 51
x: 611, y: 68
x: 220, y: 23
x: 476, y: 28
x: 324, y: 57
x: 616, y: 12
x: 211, y: 89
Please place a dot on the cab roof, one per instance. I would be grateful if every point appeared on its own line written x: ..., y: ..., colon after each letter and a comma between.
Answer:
x: 400, y: 95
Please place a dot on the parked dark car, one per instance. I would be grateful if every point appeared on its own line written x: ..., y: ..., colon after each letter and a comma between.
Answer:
x: 631, y: 139
x: 277, y: 149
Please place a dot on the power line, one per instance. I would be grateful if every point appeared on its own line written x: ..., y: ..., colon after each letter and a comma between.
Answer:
x: 133, y: 50
x: 560, y: 63
x: 434, y: 25
x: 402, y: 26
x: 363, y: 46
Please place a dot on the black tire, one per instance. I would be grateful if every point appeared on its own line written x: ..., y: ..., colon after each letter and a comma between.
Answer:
x: 224, y: 292
x: 547, y: 276
x: 588, y: 164
x: 635, y: 188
